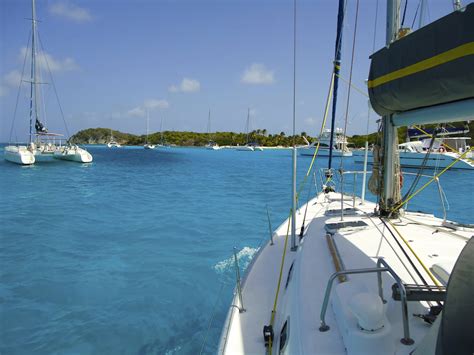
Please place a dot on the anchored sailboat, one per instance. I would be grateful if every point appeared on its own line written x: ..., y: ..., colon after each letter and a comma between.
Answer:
x: 211, y: 145
x: 249, y: 146
x: 355, y: 281
x: 148, y: 145
x: 42, y: 145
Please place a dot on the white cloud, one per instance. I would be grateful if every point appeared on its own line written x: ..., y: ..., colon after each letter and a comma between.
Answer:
x: 10, y: 80
x: 154, y: 103
x: 257, y: 74
x: 70, y: 11
x: 187, y: 85
x: 45, y: 60
x: 136, y: 112
x: 150, y: 104
x: 190, y: 85
x: 13, y: 78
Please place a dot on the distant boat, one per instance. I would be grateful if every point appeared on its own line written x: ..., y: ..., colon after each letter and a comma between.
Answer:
x: 148, y: 145
x: 247, y: 147
x: 162, y: 143
x: 211, y: 145
x: 339, y: 145
x: 112, y: 142
x: 444, y: 152
x: 42, y: 146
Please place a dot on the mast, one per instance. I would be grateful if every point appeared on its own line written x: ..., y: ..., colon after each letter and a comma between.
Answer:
x: 209, y: 125
x: 147, y: 124
x: 336, y: 70
x: 33, y: 89
x: 389, y: 130
x: 247, y: 125
x: 161, y: 131
x: 294, y: 195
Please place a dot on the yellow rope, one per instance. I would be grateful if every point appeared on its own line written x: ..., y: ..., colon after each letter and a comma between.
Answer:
x: 444, y: 144
x: 401, y: 203
x: 326, y: 110
x: 328, y: 100
x: 436, y: 282
x: 359, y: 90
x: 272, y: 319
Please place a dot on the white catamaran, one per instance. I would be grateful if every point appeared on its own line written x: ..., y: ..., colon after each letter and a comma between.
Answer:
x: 42, y: 146
x: 366, y: 278
x: 112, y: 142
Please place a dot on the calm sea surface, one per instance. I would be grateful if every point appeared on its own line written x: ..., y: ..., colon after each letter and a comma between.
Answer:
x: 132, y: 254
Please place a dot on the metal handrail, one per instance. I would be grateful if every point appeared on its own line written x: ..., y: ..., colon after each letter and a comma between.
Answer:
x: 406, y: 340
x: 355, y: 172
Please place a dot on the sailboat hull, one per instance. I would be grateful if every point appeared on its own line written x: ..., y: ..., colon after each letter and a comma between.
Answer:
x: 245, y: 148
x: 416, y: 160
x: 309, y: 151
x: 75, y: 154
x: 19, y: 155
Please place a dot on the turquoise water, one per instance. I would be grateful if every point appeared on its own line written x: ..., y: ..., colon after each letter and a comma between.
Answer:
x: 132, y: 254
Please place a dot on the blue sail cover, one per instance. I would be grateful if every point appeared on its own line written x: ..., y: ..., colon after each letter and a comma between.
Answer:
x: 432, y: 66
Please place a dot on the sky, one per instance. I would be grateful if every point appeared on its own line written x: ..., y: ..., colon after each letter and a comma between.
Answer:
x: 112, y: 61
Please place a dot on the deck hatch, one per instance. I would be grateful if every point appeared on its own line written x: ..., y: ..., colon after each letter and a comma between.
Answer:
x: 337, y: 211
x: 346, y: 225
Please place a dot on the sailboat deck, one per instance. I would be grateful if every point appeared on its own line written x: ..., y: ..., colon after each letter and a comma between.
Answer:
x: 358, y: 247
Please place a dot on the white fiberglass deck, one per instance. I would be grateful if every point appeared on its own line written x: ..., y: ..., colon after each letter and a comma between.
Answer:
x: 300, y: 303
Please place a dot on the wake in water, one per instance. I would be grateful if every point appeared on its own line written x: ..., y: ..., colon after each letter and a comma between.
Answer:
x: 226, y: 268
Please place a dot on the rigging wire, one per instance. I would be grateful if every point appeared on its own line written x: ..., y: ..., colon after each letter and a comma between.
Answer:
x: 436, y: 282
x: 404, y: 251
x: 350, y: 78
x: 404, y: 14
x: 19, y: 89
x: 422, y: 168
x: 401, y: 203
x: 444, y: 144
x: 214, y: 309
x: 272, y: 319
x: 54, y: 88
x: 416, y: 13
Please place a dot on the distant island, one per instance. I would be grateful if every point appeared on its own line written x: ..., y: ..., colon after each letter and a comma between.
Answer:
x: 184, y: 138
x: 195, y: 139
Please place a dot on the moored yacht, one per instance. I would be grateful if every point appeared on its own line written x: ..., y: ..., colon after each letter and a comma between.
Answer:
x: 339, y: 148
x: 443, y: 152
